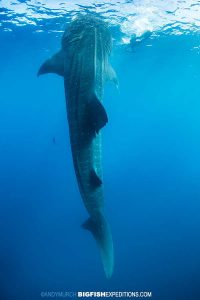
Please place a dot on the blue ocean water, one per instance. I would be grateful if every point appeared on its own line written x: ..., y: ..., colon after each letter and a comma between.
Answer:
x: 151, y: 149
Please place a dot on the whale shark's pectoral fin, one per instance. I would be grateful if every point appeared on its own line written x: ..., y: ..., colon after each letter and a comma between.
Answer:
x: 53, y: 65
x: 111, y: 75
x: 100, y: 230
x: 97, y: 115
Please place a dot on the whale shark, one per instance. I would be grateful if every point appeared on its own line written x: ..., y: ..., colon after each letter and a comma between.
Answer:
x: 83, y: 62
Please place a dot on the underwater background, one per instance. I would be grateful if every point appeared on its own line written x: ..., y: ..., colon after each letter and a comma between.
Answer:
x: 151, y: 153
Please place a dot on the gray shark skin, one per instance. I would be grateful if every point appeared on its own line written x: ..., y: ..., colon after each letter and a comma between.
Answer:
x: 83, y: 61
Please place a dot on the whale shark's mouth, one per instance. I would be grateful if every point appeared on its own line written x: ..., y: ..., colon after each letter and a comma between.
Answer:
x: 131, y: 17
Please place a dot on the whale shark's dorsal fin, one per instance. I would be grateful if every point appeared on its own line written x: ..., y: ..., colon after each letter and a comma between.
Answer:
x: 95, y: 179
x: 53, y: 65
x: 97, y: 115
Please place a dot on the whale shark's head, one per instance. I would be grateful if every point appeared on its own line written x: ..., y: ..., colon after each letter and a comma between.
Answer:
x: 84, y: 29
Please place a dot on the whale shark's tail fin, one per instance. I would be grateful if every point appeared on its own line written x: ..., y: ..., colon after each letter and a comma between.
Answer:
x: 100, y: 230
